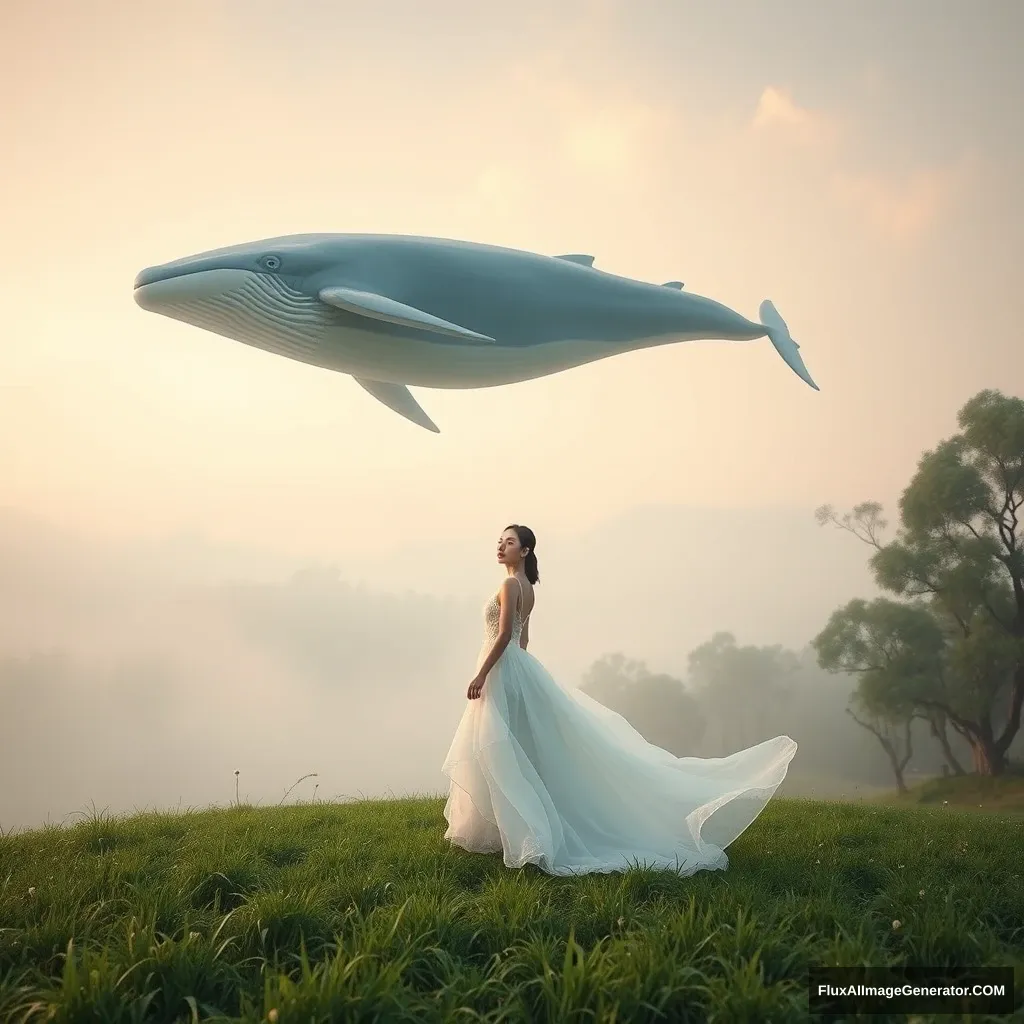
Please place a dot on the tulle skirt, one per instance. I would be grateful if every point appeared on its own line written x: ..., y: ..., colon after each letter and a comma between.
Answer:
x: 550, y: 777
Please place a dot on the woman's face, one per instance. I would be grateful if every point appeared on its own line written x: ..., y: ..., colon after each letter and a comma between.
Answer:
x: 509, y: 548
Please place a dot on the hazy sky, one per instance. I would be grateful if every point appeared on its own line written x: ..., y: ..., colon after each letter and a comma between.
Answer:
x: 858, y: 162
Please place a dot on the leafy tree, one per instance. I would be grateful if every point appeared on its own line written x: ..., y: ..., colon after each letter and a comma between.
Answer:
x: 741, y: 687
x: 895, y: 649
x: 656, y: 705
x: 957, y: 649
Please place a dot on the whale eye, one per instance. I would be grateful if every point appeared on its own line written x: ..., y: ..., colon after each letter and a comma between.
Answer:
x: 271, y: 262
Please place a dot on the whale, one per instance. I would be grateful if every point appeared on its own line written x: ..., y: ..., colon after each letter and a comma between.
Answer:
x: 401, y: 311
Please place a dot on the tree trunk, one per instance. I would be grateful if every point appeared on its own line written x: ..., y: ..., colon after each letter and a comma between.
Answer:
x: 938, y: 727
x: 1012, y: 726
x: 898, y: 763
x: 988, y: 759
x: 988, y: 755
x: 897, y: 768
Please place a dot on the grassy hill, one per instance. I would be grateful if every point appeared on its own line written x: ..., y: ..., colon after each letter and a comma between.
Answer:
x: 1003, y: 794
x: 360, y: 912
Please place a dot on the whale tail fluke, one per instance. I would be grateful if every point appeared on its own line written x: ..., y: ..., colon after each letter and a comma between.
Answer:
x: 783, y: 341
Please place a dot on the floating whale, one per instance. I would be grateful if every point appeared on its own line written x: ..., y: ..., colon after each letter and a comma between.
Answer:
x: 397, y: 310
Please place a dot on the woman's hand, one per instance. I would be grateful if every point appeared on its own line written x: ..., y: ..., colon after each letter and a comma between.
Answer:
x: 476, y: 687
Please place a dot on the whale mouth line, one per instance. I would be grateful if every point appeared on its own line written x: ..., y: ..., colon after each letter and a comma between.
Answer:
x: 167, y: 273
x: 158, y: 275
x: 161, y: 286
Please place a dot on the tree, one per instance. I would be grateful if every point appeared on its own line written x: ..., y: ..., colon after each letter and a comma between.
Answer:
x: 957, y: 557
x: 656, y: 705
x: 896, y: 742
x: 896, y: 650
x: 741, y: 687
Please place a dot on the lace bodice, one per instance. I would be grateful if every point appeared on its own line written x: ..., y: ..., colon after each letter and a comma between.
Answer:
x: 492, y: 619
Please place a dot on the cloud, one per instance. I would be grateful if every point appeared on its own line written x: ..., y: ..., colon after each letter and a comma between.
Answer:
x: 613, y: 140
x: 777, y: 112
x: 900, y: 209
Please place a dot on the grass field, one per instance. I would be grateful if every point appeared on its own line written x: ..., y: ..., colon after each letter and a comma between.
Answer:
x: 1003, y: 794
x: 360, y: 912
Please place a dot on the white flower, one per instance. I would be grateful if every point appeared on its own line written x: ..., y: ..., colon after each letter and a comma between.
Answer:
x: 897, y: 925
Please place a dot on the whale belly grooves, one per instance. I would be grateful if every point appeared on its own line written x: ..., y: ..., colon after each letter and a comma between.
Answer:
x: 442, y: 366
x: 263, y: 313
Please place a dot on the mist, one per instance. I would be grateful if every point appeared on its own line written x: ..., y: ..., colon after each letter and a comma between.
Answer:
x: 144, y: 674
x: 216, y: 560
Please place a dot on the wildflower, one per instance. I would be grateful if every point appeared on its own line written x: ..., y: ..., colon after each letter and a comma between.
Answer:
x: 897, y: 925
x: 31, y: 890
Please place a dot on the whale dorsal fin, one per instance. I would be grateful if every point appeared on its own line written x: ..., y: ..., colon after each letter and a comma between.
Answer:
x: 673, y: 284
x: 398, y: 398
x: 576, y: 257
x: 380, y: 307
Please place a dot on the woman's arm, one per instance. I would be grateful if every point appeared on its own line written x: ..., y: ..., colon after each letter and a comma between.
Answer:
x: 524, y: 638
x: 507, y: 597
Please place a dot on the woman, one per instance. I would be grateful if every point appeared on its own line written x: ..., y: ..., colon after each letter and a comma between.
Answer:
x: 553, y: 778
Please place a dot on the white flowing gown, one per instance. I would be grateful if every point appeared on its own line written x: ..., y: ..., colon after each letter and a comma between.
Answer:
x: 550, y: 777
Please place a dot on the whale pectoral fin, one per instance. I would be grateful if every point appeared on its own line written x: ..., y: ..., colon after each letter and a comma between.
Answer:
x: 673, y: 284
x: 398, y: 398
x: 576, y: 257
x: 380, y: 307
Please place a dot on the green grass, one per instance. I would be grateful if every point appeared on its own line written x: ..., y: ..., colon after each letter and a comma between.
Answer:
x: 1003, y: 794
x: 360, y: 912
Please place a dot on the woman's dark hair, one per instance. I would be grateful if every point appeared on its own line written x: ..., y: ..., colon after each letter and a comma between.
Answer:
x: 528, y: 541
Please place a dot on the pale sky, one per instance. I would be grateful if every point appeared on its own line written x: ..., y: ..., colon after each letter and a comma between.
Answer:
x: 857, y: 162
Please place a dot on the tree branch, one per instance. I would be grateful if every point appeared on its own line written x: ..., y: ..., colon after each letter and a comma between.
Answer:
x: 870, y: 728
x: 866, y: 516
x: 959, y: 723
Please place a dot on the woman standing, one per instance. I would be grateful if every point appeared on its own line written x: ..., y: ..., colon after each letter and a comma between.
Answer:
x: 551, y: 777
